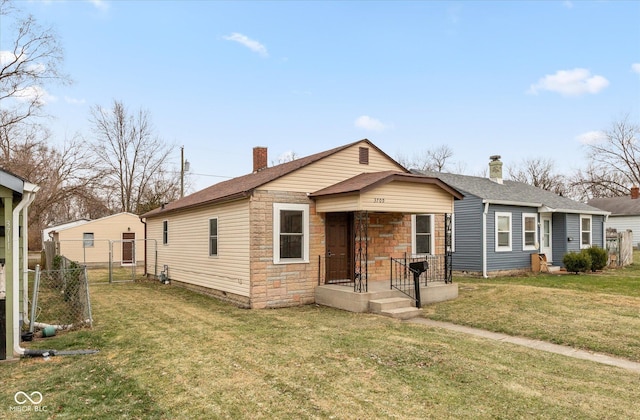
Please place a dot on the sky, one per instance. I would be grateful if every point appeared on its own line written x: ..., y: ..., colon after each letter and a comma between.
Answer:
x: 518, y: 79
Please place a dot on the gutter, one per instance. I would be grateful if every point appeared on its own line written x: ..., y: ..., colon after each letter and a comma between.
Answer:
x: 27, y: 198
x: 484, y: 239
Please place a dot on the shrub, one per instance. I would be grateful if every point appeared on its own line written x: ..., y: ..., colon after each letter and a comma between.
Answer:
x: 577, y: 261
x: 598, y: 256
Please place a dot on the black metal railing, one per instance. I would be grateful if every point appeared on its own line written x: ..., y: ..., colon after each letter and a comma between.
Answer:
x: 403, y: 273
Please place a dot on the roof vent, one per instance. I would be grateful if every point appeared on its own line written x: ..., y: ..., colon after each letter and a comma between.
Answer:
x: 364, y: 156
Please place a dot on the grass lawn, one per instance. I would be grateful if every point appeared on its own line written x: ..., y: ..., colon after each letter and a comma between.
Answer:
x: 168, y: 353
x: 598, y: 312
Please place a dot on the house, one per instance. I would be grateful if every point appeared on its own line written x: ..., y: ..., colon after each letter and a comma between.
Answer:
x: 500, y: 224
x: 117, y: 239
x: 16, y: 195
x: 625, y: 212
x: 270, y: 238
x: 47, y: 232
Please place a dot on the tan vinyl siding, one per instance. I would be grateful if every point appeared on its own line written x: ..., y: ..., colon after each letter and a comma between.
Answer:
x: 104, y: 230
x: 187, y: 251
x: 333, y: 169
x: 405, y: 197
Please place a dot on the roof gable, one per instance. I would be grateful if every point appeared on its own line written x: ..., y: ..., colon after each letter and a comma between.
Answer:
x: 242, y: 187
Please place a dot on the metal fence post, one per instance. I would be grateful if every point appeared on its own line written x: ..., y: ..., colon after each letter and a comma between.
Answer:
x: 110, y: 261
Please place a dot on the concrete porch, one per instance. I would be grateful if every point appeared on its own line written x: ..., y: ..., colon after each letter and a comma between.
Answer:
x: 381, y: 299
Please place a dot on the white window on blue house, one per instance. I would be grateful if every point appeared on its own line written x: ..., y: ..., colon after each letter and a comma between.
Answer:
x: 503, y: 232
x: 290, y: 233
x: 585, y: 231
x: 422, y: 234
x: 529, y: 231
x: 87, y: 240
x: 213, y: 237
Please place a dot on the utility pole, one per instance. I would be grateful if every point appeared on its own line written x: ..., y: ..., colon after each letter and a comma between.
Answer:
x: 184, y: 166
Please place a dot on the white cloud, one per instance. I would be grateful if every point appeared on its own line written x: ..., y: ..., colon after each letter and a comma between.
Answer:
x: 7, y: 57
x: 635, y: 67
x: 253, y: 45
x: 591, y: 137
x: 574, y: 82
x: 34, y: 93
x: 74, y: 101
x: 101, y: 5
x: 367, y: 123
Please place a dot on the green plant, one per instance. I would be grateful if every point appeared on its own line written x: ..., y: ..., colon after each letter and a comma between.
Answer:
x: 598, y: 256
x: 576, y: 262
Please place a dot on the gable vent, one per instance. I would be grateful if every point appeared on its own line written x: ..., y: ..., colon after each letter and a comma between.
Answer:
x: 364, y: 156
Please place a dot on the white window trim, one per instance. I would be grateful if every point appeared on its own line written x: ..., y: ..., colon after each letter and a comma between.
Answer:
x: 86, y: 242
x: 535, y: 245
x: 414, y: 246
x: 453, y: 232
x: 582, y: 217
x: 217, y: 235
x: 163, y: 238
x: 503, y: 248
x: 277, y: 207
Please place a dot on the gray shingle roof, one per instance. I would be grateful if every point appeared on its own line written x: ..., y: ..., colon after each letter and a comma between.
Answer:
x: 618, y: 206
x: 515, y: 193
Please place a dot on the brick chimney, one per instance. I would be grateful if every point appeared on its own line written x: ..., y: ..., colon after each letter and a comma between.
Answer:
x: 259, y: 158
x: 635, y: 192
x: 495, y: 169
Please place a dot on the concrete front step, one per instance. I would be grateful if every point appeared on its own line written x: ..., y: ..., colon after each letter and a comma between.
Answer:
x: 379, y: 305
x: 553, y: 268
x: 402, y: 313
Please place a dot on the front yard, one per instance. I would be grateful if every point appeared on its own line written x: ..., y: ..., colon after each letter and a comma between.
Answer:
x: 169, y: 353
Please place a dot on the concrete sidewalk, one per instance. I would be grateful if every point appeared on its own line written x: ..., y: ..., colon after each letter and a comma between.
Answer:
x: 534, y: 344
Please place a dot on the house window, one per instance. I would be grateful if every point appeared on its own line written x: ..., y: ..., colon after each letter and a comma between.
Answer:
x: 529, y: 231
x: 503, y: 231
x: 87, y: 240
x: 585, y: 231
x: 290, y: 233
x: 213, y: 237
x: 422, y: 233
x: 165, y: 232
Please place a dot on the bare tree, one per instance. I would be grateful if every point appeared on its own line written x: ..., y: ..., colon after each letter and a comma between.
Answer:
x: 430, y: 160
x: 132, y: 157
x: 65, y: 175
x: 540, y: 173
x: 31, y: 59
x: 614, y: 163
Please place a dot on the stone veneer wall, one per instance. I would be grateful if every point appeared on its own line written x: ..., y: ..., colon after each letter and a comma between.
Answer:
x: 390, y: 236
x: 279, y: 285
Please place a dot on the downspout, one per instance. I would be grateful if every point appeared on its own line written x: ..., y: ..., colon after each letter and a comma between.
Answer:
x: 144, y: 222
x: 27, y: 198
x: 25, y: 258
x: 484, y: 239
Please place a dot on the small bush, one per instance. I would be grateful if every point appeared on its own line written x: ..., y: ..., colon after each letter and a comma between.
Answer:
x: 598, y: 256
x: 576, y: 262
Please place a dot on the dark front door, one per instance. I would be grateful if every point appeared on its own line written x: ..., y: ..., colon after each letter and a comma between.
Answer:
x: 128, y: 244
x: 339, y: 247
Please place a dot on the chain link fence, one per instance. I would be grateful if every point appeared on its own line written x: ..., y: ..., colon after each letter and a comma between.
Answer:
x: 61, y: 297
x: 109, y: 261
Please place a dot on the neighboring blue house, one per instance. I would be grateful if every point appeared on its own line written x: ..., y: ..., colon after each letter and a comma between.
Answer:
x: 499, y: 224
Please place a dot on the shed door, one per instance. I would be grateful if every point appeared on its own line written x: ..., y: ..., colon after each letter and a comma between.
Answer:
x: 339, y: 256
x: 128, y: 247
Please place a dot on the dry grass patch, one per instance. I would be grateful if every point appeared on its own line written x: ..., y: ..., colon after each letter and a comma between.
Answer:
x: 168, y: 353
